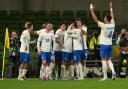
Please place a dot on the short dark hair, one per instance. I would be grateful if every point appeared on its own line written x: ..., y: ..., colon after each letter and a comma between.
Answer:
x: 109, y: 17
x: 75, y: 23
x: 28, y: 25
x: 48, y: 22
x: 78, y: 19
x: 61, y: 23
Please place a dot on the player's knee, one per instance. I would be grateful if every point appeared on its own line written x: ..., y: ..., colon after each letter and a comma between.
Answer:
x: 62, y: 66
x: 77, y: 63
x: 44, y: 62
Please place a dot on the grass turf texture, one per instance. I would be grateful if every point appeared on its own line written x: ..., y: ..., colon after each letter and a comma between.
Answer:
x: 63, y: 84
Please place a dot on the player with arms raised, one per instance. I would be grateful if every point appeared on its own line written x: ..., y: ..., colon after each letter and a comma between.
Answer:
x: 107, y: 30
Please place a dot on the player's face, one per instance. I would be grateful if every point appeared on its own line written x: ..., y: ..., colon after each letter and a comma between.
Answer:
x: 48, y: 27
x: 105, y: 19
x: 63, y: 27
x: 51, y: 26
x: 78, y: 23
x: 31, y: 29
x: 14, y: 34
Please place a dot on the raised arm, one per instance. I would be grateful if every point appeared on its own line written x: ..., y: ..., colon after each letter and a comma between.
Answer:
x: 111, y: 9
x: 93, y: 14
x: 69, y: 30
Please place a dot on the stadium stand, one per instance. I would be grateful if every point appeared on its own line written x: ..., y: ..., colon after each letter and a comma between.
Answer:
x: 41, y: 18
x: 55, y: 18
x: 82, y: 14
x: 68, y: 16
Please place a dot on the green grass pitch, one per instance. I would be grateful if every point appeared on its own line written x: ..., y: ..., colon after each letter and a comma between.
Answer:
x: 63, y: 84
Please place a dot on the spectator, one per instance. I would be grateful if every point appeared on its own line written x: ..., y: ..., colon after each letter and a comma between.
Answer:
x: 122, y: 41
x: 14, y: 55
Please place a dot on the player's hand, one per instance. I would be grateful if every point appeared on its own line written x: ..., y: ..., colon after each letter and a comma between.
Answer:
x: 91, y: 7
x: 72, y: 25
x: 63, y: 47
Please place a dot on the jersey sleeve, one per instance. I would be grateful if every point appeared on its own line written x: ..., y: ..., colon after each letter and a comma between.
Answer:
x: 112, y: 21
x: 52, y: 31
x: 39, y: 42
x: 23, y: 39
x: 38, y: 32
x: 101, y: 24
x: 57, y: 34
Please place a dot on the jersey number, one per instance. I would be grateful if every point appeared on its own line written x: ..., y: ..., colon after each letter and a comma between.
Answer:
x: 110, y: 35
x: 47, y: 40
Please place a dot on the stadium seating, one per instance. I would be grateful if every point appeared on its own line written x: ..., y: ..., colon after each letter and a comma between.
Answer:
x: 3, y: 15
x: 2, y: 26
x: 13, y: 25
x: 15, y: 15
x: 82, y: 14
x: 15, y: 19
x: 55, y: 17
x: 2, y: 37
x: 41, y: 18
x: 29, y: 16
x: 41, y: 15
x: 3, y: 19
x: 68, y: 16
x: 38, y: 25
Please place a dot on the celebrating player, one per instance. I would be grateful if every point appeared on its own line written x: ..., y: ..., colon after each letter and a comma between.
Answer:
x: 107, y: 30
x: 24, y: 50
x: 58, y: 46
x: 44, y: 46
